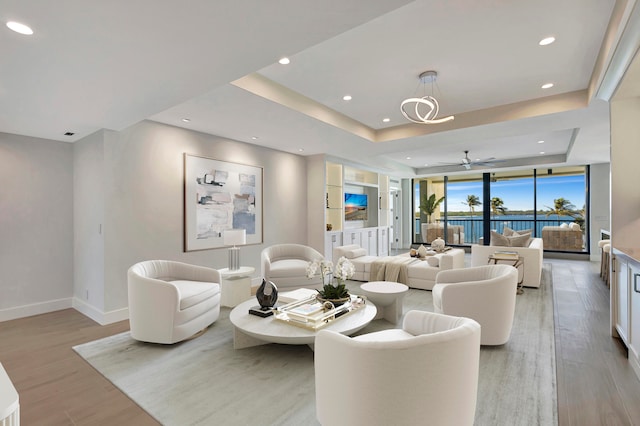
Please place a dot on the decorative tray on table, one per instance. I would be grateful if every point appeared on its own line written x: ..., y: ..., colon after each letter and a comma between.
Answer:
x: 505, y: 255
x: 312, y: 314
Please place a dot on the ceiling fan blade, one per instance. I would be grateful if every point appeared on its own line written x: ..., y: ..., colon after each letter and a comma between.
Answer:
x: 485, y: 160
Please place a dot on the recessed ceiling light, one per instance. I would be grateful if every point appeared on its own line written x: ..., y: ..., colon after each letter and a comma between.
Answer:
x: 346, y: 98
x: 386, y: 120
x: 408, y: 158
x: 546, y: 41
x: 186, y: 120
x: 540, y: 141
x: 300, y: 150
x: 547, y: 86
x: 19, y: 28
x: 541, y: 152
x: 254, y: 137
x: 426, y: 164
x: 284, y: 61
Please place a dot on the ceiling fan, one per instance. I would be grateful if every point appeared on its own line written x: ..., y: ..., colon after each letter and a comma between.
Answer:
x: 467, y: 163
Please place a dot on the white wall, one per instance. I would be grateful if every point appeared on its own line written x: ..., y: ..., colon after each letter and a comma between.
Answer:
x: 36, y: 226
x: 144, y: 199
x: 59, y: 248
x: 625, y: 173
x: 88, y: 212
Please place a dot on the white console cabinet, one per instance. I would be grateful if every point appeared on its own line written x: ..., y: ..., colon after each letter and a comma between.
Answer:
x: 330, y: 223
x: 634, y: 309
x: 620, y: 293
x: 625, y: 302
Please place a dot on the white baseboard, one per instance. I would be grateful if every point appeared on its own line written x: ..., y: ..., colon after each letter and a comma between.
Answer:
x: 102, y: 318
x: 34, y: 309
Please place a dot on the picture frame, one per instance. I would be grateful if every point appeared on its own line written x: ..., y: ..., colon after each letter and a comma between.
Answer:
x: 220, y: 195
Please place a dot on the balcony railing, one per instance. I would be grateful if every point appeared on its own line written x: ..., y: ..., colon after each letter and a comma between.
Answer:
x: 472, y: 227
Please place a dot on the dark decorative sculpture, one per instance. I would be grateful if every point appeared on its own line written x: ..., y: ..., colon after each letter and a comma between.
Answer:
x: 267, y: 295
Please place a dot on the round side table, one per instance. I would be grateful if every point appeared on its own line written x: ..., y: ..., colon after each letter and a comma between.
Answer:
x: 236, y: 285
x: 387, y: 296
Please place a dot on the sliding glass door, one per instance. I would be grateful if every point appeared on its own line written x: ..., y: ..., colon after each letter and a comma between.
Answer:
x: 550, y: 203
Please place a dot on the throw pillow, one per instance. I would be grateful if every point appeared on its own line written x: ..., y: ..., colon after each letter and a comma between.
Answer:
x: 422, y: 251
x: 575, y: 226
x: 520, y: 240
x: 352, y: 254
x: 508, y: 232
x: 498, y: 240
x: 513, y: 241
x: 564, y: 225
x: 433, y: 261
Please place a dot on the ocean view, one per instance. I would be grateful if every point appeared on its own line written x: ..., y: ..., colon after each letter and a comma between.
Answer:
x: 473, y: 224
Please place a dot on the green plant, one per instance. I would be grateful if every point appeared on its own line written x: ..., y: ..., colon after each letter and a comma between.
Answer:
x: 430, y: 204
x: 343, y: 271
x: 329, y: 291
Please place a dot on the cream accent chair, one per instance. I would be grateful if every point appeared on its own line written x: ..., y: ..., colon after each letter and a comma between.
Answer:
x: 286, y: 265
x: 424, y: 373
x: 532, y: 255
x: 171, y: 301
x: 431, y: 231
x: 486, y: 294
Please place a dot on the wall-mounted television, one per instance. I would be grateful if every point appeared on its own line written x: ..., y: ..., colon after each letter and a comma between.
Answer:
x: 355, y: 206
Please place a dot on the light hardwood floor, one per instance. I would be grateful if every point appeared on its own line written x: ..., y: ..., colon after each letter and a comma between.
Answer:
x: 595, y: 383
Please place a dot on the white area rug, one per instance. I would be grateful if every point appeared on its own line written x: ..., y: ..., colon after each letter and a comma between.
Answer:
x: 205, y: 381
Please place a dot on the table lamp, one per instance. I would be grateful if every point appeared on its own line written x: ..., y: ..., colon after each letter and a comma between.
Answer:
x: 234, y: 237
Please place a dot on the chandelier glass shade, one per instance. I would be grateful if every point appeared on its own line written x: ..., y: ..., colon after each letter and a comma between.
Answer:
x: 423, y: 110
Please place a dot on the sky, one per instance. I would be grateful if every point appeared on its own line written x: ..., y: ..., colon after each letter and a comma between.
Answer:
x: 518, y: 194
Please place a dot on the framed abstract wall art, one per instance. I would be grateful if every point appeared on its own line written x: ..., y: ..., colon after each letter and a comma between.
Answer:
x: 220, y: 195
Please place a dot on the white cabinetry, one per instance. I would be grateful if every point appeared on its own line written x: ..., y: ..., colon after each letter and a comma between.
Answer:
x: 332, y: 240
x: 621, y: 297
x: 625, y: 302
x: 328, y: 224
x: 634, y: 309
x: 383, y: 241
x: 352, y: 236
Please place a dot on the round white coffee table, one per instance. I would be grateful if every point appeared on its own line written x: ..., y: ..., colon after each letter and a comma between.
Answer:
x: 387, y: 296
x: 251, y: 330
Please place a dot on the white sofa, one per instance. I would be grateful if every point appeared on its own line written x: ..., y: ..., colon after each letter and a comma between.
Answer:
x: 420, y: 273
x: 532, y: 255
x: 359, y: 257
x: 486, y: 294
x: 286, y: 266
x: 171, y: 301
x: 424, y: 373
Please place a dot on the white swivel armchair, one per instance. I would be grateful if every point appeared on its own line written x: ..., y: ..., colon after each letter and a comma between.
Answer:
x: 486, y: 294
x: 286, y: 265
x: 424, y: 373
x: 171, y: 301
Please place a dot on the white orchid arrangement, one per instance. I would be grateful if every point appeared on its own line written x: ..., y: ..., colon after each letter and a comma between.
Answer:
x: 324, y: 266
x: 343, y: 271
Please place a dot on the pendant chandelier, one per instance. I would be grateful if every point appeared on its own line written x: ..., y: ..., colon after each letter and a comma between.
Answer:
x: 424, y: 110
